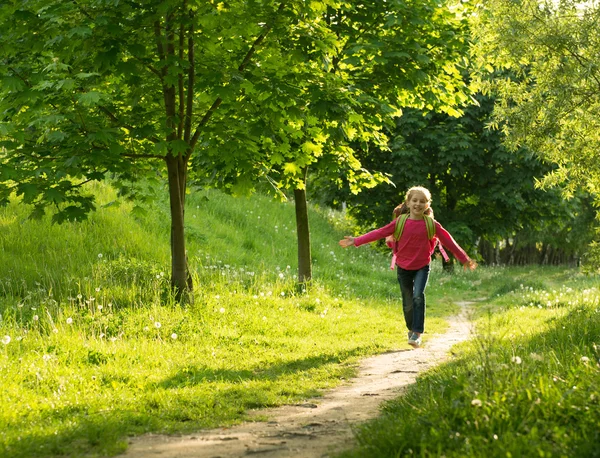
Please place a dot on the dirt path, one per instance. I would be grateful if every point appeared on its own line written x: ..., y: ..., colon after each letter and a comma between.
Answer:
x: 322, y: 425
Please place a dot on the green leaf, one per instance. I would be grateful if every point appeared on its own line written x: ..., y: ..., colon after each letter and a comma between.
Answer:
x: 86, y: 75
x: 90, y: 98
x: 54, y: 195
x: 29, y: 191
x: 178, y: 147
x: 12, y: 83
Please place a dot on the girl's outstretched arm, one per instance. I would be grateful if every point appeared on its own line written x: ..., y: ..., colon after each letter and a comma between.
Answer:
x: 347, y: 241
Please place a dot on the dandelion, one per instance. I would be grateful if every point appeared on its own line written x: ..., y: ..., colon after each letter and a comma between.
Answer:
x: 98, y: 289
x: 281, y: 275
x: 6, y: 340
x: 157, y: 325
x: 516, y: 360
x: 46, y: 357
x: 36, y: 318
x: 174, y: 336
x: 55, y: 331
x: 146, y: 328
x: 69, y: 320
x: 79, y: 296
x: 217, y: 297
x: 585, y: 359
x: 283, y: 293
x: 476, y: 402
x: 99, y: 255
x: 222, y: 310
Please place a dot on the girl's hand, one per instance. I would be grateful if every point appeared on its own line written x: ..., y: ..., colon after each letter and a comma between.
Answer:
x: 347, y: 241
x: 470, y: 264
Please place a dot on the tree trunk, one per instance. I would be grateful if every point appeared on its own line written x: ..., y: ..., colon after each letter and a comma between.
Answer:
x: 303, y: 232
x: 179, y: 270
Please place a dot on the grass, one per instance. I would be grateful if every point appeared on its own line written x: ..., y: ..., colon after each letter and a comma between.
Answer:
x: 93, y: 350
x: 528, y: 384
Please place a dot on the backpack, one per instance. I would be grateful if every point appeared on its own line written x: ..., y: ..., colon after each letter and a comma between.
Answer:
x: 401, y: 222
x: 429, y: 224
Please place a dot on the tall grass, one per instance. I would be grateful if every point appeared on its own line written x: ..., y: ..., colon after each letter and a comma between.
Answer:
x: 94, y: 350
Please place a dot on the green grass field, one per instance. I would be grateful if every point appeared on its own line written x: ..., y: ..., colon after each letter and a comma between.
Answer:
x: 93, y: 350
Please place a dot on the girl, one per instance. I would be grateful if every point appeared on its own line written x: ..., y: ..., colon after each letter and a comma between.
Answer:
x: 413, y: 254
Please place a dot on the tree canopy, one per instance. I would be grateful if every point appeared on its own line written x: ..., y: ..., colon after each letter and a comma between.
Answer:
x: 541, y: 60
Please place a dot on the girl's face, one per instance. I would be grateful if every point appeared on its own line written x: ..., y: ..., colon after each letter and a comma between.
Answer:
x: 417, y: 204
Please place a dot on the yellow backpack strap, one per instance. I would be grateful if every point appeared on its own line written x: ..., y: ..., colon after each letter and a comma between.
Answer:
x: 400, y: 223
x: 430, y: 225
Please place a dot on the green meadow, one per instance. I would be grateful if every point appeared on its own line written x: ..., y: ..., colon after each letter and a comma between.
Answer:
x: 94, y: 350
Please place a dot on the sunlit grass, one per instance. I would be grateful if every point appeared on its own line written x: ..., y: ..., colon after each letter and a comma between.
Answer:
x: 93, y: 348
x: 528, y: 384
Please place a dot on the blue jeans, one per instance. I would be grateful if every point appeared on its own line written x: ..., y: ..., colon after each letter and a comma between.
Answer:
x: 412, y: 286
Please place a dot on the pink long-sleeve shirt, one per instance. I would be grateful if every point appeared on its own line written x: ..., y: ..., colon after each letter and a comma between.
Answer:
x: 413, y: 251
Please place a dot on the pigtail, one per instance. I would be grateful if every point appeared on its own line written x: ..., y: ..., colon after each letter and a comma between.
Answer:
x: 400, y: 210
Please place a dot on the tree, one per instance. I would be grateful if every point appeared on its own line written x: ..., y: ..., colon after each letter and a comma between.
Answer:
x: 132, y: 90
x: 92, y: 89
x: 483, y: 193
x: 541, y: 60
x: 366, y: 60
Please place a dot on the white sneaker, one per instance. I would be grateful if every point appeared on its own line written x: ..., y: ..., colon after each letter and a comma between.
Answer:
x: 414, y: 340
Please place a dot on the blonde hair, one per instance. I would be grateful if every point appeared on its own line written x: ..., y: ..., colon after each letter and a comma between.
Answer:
x: 403, y: 207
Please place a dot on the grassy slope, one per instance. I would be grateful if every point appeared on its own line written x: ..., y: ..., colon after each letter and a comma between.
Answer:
x: 97, y: 351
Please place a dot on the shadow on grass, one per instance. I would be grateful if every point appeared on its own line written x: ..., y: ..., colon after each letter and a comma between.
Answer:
x: 190, y: 376
x: 193, y: 399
